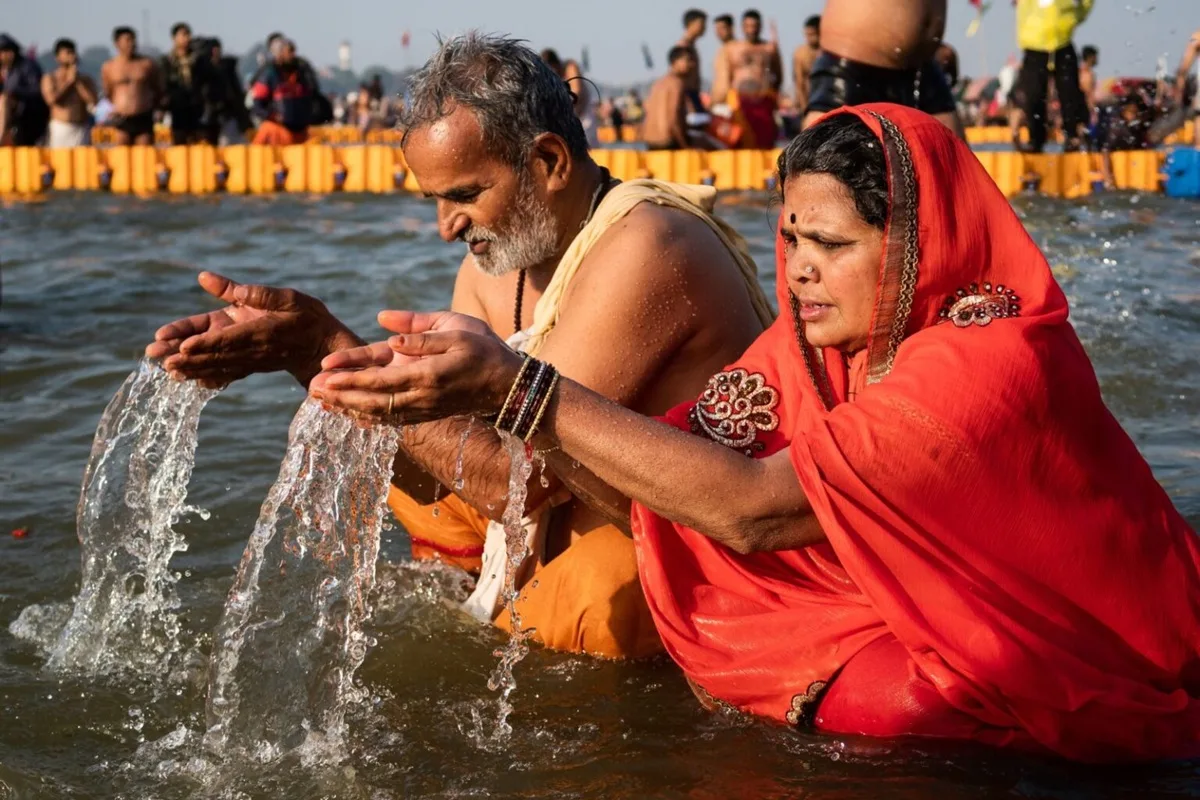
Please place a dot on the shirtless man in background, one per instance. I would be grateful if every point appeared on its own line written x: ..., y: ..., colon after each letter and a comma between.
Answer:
x: 804, y: 58
x: 572, y: 75
x: 69, y: 95
x: 695, y: 22
x: 753, y: 65
x: 665, y: 124
x: 753, y: 71
x: 868, y: 59
x: 1089, y: 59
x: 723, y: 28
x: 133, y: 85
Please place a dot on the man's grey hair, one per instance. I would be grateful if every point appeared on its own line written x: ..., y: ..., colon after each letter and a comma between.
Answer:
x: 514, y: 94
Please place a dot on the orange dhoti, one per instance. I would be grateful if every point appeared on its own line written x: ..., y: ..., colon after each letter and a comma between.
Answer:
x: 586, y: 600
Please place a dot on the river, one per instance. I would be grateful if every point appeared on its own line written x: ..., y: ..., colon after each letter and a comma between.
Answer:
x: 88, y: 278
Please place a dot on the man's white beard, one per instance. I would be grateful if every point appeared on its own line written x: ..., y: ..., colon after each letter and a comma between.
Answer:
x: 530, y: 238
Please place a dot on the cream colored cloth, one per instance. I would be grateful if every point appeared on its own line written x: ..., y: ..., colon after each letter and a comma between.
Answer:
x: 485, y: 602
x: 696, y: 200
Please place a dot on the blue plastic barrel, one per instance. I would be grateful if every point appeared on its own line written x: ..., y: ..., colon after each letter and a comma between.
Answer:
x: 1183, y: 173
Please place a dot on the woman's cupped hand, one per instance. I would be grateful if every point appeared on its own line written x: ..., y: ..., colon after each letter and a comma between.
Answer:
x: 437, y: 365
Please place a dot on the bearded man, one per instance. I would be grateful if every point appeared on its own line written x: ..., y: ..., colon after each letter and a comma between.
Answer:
x: 634, y: 289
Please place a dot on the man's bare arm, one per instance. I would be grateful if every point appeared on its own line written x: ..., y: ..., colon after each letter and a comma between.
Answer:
x: 49, y: 93
x: 677, y: 100
x: 1190, y: 53
x: 87, y: 89
x: 800, y: 70
x: 721, y: 76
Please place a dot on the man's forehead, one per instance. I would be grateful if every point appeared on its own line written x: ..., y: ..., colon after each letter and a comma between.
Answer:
x: 449, y: 152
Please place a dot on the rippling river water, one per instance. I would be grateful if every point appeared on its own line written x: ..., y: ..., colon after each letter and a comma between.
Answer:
x: 88, y: 278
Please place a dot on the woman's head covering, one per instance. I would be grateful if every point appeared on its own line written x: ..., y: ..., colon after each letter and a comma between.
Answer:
x: 981, y: 505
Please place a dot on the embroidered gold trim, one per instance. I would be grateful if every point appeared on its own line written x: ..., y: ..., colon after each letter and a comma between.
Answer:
x: 814, y: 363
x: 735, y: 407
x: 980, y: 305
x: 804, y: 706
x: 898, y: 278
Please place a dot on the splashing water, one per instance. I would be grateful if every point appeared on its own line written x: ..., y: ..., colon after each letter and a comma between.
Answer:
x: 516, y: 549
x: 291, y: 636
x: 134, y: 491
x: 462, y: 449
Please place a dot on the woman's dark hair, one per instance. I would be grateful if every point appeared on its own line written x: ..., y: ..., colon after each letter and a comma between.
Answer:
x: 844, y: 147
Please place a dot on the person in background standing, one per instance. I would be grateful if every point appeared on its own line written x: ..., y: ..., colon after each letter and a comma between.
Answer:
x: 863, y: 61
x: 228, y: 119
x: 804, y: 58
x: 283, y: 100
x: 723, y: 28
x: 665, y: 126
x: 133, y: 84
x: 1044, y: 32
x: 947, y: 58
x: 1087, y: 79
x: 753, y: 71
x: 695, y: 23
x: 69, y: 94
x: 572, y: 75
x: 23, y: 111
x: 188, y: 81
x: 1187, y: 77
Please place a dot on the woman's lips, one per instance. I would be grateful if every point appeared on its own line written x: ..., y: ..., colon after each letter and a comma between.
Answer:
x: 812, y: 312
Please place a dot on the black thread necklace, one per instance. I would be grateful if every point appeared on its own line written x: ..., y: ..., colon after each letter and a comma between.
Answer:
x: 606, y: 183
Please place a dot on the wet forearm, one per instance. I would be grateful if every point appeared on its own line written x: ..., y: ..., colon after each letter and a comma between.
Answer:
x: 466, y: 456
x: 477, y: 469
x: 710, y: 488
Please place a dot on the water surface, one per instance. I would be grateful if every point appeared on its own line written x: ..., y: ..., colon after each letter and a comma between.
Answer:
x: 88, y: 278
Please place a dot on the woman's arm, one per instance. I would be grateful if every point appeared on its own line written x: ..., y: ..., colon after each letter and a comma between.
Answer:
x: 749, y: 505
x: 447, y: 364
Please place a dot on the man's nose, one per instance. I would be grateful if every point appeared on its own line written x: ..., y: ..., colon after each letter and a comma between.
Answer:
x: 452, y: 225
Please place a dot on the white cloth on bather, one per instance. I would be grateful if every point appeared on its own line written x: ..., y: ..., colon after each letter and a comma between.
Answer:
x: 68, y: 134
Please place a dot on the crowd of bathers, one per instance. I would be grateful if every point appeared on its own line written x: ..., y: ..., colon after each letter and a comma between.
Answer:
x: 199, y: 92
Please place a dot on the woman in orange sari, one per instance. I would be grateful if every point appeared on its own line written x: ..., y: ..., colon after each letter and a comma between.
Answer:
x: 906, y: 510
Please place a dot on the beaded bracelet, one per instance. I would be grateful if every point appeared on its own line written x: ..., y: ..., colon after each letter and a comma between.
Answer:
x: 528, y: 399
x: 512, y: 393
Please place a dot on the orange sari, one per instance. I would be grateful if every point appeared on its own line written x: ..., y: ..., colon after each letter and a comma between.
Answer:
x: 1000, y: 563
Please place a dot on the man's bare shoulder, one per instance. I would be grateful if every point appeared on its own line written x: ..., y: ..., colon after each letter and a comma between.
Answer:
x: 667, y: 248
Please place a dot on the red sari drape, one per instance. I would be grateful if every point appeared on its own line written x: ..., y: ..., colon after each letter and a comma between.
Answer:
x: 1000, y: 564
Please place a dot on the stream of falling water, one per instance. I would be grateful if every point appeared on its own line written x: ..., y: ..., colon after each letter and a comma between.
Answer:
x: 516, y: 550
x: 291, y: 636
x: 134, y: 491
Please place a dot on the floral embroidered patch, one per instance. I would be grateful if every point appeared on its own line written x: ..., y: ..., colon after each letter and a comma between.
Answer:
x: 736, y: 406
x: 980, y: 305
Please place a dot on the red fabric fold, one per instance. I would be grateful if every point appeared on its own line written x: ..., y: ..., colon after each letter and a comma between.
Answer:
x: 1001, y: 564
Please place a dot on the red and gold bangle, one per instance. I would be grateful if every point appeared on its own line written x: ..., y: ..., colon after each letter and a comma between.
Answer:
x: 545, y: 404
x: 513, y: 390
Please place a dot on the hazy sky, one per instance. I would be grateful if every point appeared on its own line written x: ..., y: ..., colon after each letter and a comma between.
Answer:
x: 1130, y: 35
